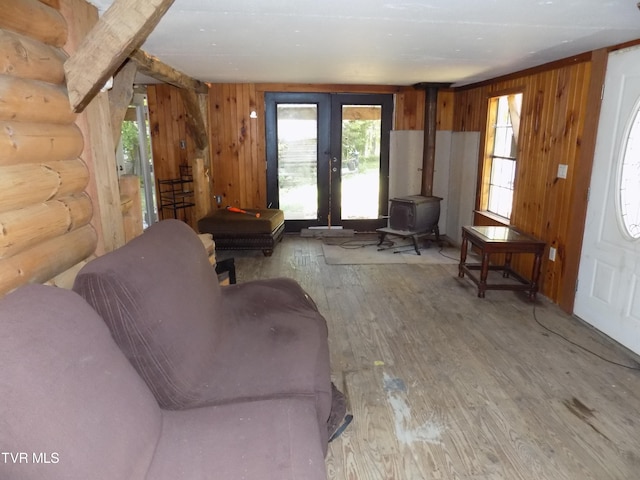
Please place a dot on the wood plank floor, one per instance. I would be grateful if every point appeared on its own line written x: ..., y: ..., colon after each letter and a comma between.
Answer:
x: 444, y: 385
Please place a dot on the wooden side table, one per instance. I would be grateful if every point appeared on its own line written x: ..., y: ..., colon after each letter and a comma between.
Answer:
x: 505, y: 240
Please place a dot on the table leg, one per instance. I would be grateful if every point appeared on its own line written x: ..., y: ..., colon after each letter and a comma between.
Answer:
x: 484, y: 272
x: 507, y: 265
x: 535, y: 276
x: 463, y: 256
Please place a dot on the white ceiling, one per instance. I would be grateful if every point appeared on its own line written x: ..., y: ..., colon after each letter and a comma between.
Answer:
x: 380, y: 42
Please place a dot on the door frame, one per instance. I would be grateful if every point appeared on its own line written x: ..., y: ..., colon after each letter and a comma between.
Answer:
x: 322, y: 100
x: 386, y: 101
x: 329, y: 147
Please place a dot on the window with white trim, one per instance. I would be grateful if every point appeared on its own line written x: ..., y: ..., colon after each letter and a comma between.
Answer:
x: 501, y: 149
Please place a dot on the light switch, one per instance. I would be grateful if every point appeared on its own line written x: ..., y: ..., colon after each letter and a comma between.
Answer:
x: 562, y: 170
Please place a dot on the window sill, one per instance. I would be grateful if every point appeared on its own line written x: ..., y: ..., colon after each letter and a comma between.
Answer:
x: 492, y: 217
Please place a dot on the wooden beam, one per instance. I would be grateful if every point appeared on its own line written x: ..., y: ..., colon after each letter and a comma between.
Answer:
x: 189, y: 89
x: 195, y: 120
x: 155, y: 68
x: 99, y: 151
x: 120, y: 97
x: 120, y: 30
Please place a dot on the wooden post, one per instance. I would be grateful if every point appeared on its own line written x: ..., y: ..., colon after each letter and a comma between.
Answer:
x: 99, y: 149
x: 120, y: 97
x: 131, y: 206
x: 121, y: 29
x: 202, y: 190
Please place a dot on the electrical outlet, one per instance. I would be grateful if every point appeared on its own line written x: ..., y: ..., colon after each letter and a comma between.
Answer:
x: 552, y: 254
x: 562, y: 170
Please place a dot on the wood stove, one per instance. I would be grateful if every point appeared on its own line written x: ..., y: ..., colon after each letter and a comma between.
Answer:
x: 414, y: 216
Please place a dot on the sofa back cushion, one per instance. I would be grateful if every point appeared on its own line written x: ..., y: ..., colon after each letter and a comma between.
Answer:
x: 160, y: 297
x: 71, y: 405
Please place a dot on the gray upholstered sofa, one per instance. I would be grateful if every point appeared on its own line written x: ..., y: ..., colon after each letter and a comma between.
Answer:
x: 221, y: 382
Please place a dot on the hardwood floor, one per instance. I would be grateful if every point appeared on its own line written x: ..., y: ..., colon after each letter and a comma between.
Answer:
x: 444, y: 385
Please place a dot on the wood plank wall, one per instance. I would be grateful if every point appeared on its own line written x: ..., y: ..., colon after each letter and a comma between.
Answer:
x: 171, y: 145
x: 238, y: 161
x: 554, y: 111
x: 238, y: 158
x: 553, y: 118
x: 44, y: 210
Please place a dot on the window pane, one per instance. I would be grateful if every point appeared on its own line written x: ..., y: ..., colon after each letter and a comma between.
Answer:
x: 501, y: 186
x: 361, y: 131
x: 502, y: 164
x: 629, y: 183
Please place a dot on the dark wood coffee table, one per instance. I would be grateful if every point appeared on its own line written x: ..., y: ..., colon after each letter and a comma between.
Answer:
x: 505, y: 240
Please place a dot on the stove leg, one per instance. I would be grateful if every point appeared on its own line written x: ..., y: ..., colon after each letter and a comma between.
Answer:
x: 415, y: 244
x: 382, y: 237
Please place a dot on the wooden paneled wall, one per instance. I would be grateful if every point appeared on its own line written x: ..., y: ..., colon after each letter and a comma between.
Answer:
x: 171, y: 145
x: 44, y: 211
x: 559, y: 100
x: 552, y: 130
x: 238, y: 159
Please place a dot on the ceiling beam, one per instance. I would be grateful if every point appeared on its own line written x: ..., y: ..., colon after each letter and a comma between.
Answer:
x: 195, y: 119
x: 121, y: 29
x: 189, y: 90
x: 152, y: 67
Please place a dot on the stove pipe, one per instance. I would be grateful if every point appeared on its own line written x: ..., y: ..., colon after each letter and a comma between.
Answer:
x: 430, y: 124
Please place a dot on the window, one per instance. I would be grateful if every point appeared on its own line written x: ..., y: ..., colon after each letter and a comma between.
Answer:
x: 499, y: 170
x: 628, y: 201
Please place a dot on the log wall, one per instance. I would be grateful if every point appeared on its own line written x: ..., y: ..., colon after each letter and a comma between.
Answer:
x: 552, y: 132
x: 45, y: 212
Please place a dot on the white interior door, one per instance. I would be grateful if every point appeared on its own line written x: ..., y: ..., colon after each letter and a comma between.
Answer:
x: 608, y: 295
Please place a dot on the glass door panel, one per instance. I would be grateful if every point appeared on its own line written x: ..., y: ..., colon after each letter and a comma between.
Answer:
x: 360, y: 172
x: 297, y: 139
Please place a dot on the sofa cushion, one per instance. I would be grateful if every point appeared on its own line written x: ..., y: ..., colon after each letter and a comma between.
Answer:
x: 160, y: 297
x: 277, y: 345
x: 68, y: 395
x: 264, y: 440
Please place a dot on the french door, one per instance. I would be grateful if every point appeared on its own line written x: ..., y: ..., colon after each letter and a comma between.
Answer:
x: 328, y: 158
